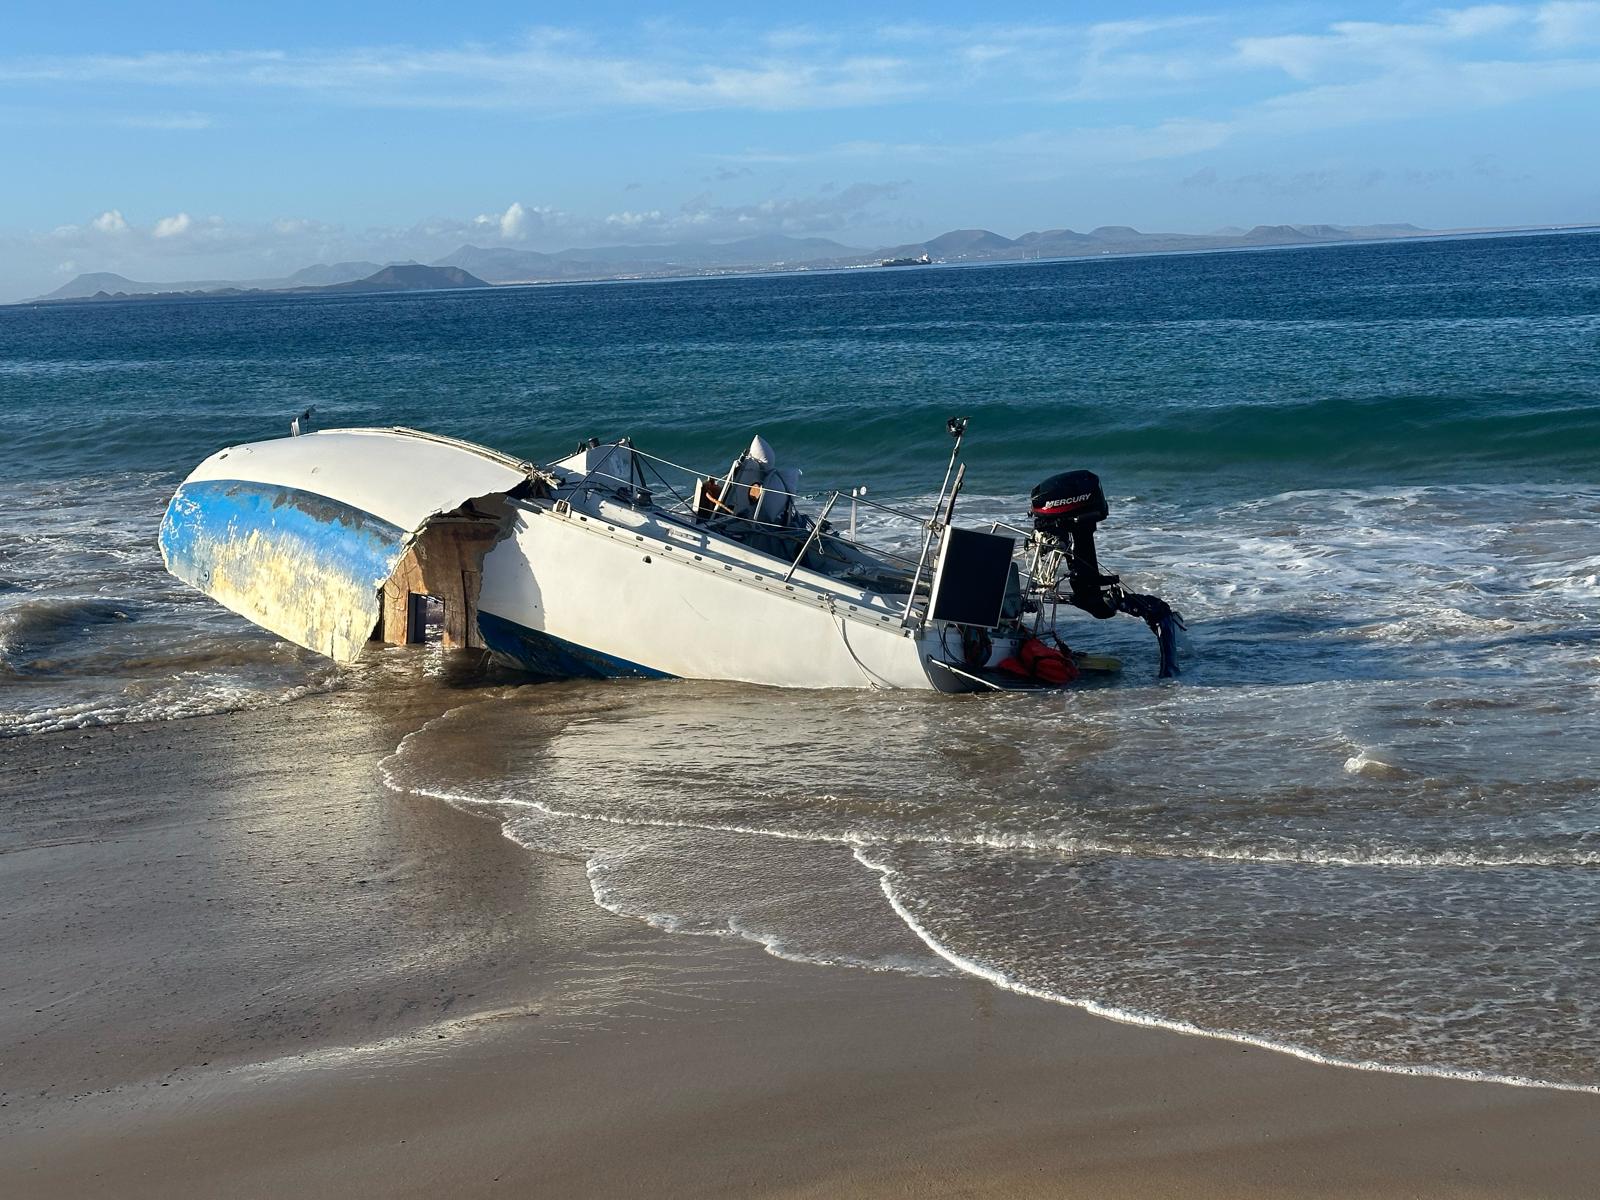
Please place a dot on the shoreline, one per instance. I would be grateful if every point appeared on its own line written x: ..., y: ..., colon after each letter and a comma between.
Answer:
x: 236, y: 961
x: 1143, y: 1020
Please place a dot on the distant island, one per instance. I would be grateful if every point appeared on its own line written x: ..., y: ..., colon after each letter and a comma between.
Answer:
x: 485, y: 266
x: 397, y: 277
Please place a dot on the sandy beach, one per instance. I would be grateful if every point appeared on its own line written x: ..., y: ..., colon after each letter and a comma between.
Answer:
x: 235, y: 964
x: 893, y: 602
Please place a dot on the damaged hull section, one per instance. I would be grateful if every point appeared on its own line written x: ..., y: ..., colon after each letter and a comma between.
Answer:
x: 330, y: 538
x: 305, y: 567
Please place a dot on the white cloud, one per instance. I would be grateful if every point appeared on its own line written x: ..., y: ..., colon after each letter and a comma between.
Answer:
x: 1349, y: 74
x: 829, y: 209
x: 1569, y: 23
x: 1321, y: 180
x: 1480, y: 20
x: 514, y: 222
x: 1126, y: 143
x: 1425, y: 91
x: 1365, y: 45
x: 632, y: 222
x: 111, y: 234
x: 173, y: 226
x: 664, y: 66
x: 296, y: 241
x: 517, y: 223
x: 301, y: 226
x: 548, y: 72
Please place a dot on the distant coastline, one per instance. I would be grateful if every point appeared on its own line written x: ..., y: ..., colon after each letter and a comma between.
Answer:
x: 398, y: 277
x: 492, y: 267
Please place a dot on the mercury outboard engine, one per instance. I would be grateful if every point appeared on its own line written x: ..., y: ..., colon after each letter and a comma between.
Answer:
x: 1066, y: 510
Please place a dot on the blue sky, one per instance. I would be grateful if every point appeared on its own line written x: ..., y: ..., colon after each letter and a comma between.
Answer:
x: 190, y: 141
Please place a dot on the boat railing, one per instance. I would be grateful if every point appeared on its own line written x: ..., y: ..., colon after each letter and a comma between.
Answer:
x: 1009, y: 528
x: 597, y: 478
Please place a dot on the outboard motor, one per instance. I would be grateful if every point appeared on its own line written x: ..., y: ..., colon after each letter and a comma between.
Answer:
x: 1066, y: 510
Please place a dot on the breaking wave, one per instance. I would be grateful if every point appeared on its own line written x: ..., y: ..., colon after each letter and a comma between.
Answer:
x: 177, y: 697
x: 31, y: 627
x: 1132, y: 1016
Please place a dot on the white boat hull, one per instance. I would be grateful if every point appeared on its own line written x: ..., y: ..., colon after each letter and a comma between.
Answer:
x: 331, y: 539
x: 679, y: 610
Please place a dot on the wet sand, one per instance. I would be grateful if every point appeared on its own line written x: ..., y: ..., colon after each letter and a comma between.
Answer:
x: 233, y: 963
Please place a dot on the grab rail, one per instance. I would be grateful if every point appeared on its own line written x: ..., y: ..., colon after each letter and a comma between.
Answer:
x: 588, y: 481
x: 816, y: 529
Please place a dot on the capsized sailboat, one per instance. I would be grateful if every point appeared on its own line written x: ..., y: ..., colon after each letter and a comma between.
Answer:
x: 612, y: 562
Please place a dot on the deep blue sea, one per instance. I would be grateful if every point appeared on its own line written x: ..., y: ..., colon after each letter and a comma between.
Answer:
x: 1364, y: 826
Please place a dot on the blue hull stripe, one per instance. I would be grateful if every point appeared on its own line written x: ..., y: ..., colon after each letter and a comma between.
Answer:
x: 301, y: 565
x: 555, y: 658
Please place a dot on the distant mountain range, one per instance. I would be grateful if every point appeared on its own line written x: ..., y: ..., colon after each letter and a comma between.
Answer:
x: 342, y: 277
x: 962, y: 245
x: 478, y: 266
x: 502, y: 264
x: 405, y: 277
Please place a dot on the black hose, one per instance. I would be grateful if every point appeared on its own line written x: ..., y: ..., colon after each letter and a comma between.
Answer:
x: 1163, y: 622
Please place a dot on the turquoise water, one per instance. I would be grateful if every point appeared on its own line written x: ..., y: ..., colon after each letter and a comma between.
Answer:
x: 1415, y: 362
x: 1365, y: 824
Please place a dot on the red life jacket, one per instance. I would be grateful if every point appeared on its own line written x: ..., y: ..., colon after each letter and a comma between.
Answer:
x: 1039, y: 661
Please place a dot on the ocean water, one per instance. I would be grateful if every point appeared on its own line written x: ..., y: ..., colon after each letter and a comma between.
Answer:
x: 1364, y: 826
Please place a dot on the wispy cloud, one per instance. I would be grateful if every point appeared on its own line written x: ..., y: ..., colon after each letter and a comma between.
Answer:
x: 1569, y: 24
x: 700, y: 218
x: 1347, y: 75
x: 1065, y: 62
x: 549, y: 72
x: 665, y: 67
x: 181, y: 121
x: 36, y: 115
x: 1377, y: 46
x: 1345, y: 180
